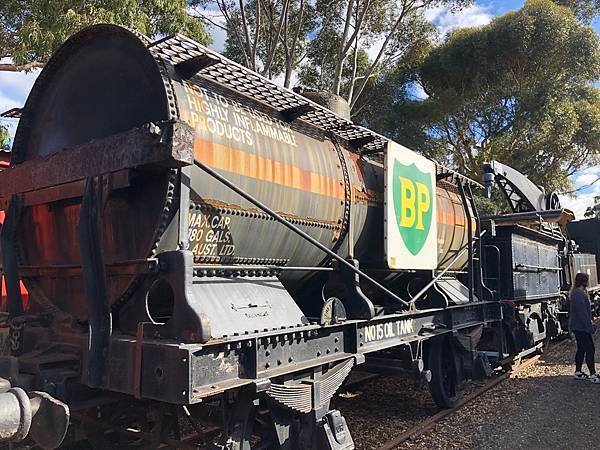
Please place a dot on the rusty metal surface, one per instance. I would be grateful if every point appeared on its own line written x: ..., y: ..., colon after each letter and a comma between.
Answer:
x: 100, y: 83
x: 50, y: 420
x: 296, y: 172
x: 133, y: 148
x: 294, y: 167
x: 179, y: 49
x: 116, y: 180
x: 452, y: 226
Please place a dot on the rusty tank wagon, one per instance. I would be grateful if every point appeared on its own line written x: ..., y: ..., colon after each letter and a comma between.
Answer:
x: 199, y: 242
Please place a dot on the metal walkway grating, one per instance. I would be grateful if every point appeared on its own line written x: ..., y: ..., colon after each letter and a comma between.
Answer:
x: 181, y: 50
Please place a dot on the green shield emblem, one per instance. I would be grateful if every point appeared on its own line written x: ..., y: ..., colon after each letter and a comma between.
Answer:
x: 413, y: 197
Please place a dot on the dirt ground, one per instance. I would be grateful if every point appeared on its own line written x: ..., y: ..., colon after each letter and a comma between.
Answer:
x: 541, y: 407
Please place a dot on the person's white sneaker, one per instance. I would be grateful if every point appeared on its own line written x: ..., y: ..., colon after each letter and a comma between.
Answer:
x: 594, y: 379
x: 580, y: 376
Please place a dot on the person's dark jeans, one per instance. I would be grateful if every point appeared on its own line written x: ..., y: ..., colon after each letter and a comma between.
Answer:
x: 585, y: 349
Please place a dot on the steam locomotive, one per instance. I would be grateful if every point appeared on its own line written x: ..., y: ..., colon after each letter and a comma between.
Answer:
x: 202, y: 246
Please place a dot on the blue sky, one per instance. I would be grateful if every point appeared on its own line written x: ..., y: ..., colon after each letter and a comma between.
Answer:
x: 14, y: 87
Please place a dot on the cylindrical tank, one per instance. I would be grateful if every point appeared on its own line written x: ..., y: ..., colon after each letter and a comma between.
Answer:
x: 105, y: 80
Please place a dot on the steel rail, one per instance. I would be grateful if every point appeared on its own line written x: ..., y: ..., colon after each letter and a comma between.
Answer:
x: 297, y: 230
x: 431, y: 422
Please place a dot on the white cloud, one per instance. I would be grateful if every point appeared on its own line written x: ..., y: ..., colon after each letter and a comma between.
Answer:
x: 446, y: 20
x: 14, y: 89
x: 583, y: 198
x: 214, y: 22
x: 218, y: 35
x: 586, y: 178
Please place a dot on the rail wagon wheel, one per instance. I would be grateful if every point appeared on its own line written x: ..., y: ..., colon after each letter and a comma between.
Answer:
x: 444, y: 386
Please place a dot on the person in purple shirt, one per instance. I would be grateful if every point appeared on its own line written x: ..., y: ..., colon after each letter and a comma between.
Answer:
x: 582, y: 326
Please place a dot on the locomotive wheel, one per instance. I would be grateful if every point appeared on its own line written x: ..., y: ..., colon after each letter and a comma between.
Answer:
x: 443, y: 386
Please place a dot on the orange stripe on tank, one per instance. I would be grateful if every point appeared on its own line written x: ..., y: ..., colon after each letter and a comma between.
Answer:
x: 446, y: 218
x: 248, y: 164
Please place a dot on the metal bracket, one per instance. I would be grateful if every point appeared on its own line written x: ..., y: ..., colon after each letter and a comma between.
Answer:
x: 137, y: 147
x: 9, y: 256
x: 94, y: 276
x: 188, y: 68
x: 296, y: 112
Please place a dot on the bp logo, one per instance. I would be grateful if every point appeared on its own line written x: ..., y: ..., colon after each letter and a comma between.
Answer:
x: 412, y: 191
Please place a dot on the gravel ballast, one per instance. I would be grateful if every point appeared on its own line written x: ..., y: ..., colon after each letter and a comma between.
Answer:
x: 538, y: 407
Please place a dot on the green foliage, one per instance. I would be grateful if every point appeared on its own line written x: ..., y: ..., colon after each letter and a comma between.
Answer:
x: 31, y: 30
x: 276, y: 38
x: 493, y: 206
x: 327, y: 39
x: 585, y: 10
x: 4, y: 137
x: 594, y: 210
x: 517, y: 90
x: 337, y: 59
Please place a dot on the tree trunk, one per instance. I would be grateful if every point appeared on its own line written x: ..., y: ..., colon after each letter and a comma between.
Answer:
x: 288, y: 74
x: 342, y: 52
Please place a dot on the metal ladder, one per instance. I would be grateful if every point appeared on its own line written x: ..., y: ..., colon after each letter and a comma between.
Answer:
x: 474, y: 269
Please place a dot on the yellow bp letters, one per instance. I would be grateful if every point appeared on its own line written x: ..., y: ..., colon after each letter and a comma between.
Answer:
x: 423, y: 203
x: 407, y: 189
x: 416, y: 201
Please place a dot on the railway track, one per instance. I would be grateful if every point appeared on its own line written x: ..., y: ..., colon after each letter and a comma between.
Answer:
x: 430, y: 423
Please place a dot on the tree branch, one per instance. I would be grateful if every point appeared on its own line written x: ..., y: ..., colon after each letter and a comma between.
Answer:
x: 22, y: 67
x: 354, y: 64
x: 342, y: 51
x: 256, y: 34
x: 380, y: 54
x: 282, y: 18
x: 297, y: 34
x: 357, y: 26
x: 252, y: 62
x: 232, y: 25
x: 290, y: 63
x: 199, y: 15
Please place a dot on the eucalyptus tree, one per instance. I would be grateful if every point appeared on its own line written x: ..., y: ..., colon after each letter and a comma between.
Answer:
x: 267, y: 36
x: 519, y: 89
x: 30, y: 30
x: 335, y: 46
x: 390, y: 29
x: 585, y: 10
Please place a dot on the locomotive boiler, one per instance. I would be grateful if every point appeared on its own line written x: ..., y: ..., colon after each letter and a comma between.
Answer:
x: 192, y: 234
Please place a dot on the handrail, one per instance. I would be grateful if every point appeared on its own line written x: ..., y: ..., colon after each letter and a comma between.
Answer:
x: 297, y: 230
x: 463, y: 249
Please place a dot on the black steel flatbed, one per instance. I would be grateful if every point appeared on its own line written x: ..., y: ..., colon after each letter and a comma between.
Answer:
x: 187, y: 373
